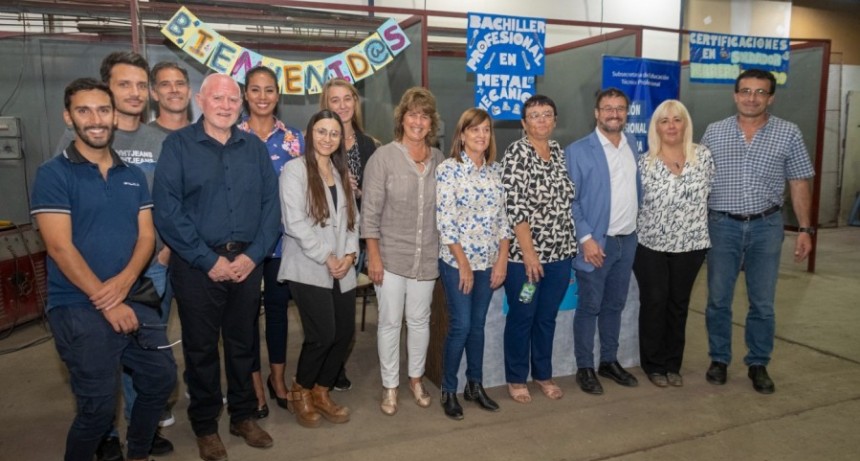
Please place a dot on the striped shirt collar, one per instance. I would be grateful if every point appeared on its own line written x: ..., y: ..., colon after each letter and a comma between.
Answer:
x: 74, y: 155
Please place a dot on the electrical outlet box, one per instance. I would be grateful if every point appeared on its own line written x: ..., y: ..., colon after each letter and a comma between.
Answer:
x: 10, y: 138
x: 10, y: 127
x: 10, y: 149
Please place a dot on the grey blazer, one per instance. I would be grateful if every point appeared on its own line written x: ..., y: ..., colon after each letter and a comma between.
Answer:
x: 307, y: 245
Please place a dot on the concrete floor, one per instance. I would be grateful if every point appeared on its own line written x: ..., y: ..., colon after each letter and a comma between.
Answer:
x: 816, y: 408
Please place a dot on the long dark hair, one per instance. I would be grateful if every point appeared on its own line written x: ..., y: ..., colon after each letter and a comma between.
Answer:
x: 317, y: 204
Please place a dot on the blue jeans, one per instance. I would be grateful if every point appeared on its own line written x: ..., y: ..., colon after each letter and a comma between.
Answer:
x: 158, y: 274
x: 754, y: 246
x: 602, y: 296
x: 93, y: 353
x: 530, y: 328
x: 467, y: 315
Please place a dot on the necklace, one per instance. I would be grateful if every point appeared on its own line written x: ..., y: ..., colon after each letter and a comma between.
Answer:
x: 678, y: 165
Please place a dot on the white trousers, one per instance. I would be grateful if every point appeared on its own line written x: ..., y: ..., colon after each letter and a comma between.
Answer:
x: 399, y: 296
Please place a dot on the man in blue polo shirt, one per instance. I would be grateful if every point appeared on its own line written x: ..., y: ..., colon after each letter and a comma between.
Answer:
x: 755, y: 153
x: 94, y: 214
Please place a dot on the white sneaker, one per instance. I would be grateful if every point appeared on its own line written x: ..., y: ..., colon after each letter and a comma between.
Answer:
x: 167, y: 419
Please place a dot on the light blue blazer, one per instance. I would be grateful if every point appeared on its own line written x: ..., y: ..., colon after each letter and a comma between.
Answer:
x: 589, y: 171
x: 307, y: 245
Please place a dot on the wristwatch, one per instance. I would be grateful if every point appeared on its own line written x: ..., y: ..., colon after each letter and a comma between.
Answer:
x: 808, y: 230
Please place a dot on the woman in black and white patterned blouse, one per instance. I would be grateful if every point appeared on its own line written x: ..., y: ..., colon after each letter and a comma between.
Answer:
x: 673, y: 238
x: 538, y: 201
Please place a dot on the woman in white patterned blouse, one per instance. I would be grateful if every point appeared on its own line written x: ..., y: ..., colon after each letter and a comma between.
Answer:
x: 673, y: 238
x: 473, y: 260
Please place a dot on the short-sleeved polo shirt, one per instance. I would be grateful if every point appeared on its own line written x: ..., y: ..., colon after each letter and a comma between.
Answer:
x: 104, y: 215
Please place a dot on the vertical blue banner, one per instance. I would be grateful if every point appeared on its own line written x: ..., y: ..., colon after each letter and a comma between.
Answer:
x: 505, y: 53
x: 647, y: 82
x: 505, y: 44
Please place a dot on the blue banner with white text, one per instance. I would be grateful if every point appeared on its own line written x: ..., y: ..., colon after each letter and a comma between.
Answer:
x: 647, y: 83
x: 503, y: 95
x: 505, y: 53
x: 505, y: 44
x: 720, y: 58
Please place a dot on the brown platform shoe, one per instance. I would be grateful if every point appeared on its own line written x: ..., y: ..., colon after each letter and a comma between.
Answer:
x: 300, y: 402
x: 324, y: 404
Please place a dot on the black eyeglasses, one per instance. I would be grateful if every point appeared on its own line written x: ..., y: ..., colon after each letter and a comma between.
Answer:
x: 151, y: 326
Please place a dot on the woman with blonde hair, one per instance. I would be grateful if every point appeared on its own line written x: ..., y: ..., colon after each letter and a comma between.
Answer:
x: 673, y: 238
x: 398, y: 221
x: 473, y: 260
x: 341, y: 97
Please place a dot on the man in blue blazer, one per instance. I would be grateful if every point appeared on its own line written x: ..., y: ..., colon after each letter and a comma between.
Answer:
x: 604, y: 170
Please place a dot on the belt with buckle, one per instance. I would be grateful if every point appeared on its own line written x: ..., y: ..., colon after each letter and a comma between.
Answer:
x: 754, y: 216
x: 231, y: 247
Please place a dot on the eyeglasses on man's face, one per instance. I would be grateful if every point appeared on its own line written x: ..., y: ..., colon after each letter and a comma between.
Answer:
x: 614, y: 110
x: 758, y: 92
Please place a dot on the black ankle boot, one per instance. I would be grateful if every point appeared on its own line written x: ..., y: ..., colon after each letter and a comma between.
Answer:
x: 475, y: 392
x: 451, y: 406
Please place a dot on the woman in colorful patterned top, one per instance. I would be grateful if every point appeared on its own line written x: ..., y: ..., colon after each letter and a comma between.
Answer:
x: 673, y: 238
x: 539, y: 195
x: 284, y: 144
x: 473, y: 260
x: 339, y: 96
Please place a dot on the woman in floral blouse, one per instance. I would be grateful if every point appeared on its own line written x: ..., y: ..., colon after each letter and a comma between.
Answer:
x: 539, y: 194
x: 673, y: 238
x: 474, y: 233
x: 284, y: 144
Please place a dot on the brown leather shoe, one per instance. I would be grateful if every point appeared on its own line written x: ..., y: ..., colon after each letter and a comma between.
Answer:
x: 211, y: 448
x: 300, y: 402
x: 324, y: 404
x: 253, y: 434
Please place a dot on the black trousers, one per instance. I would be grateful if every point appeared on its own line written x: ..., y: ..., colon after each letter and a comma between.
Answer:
x: 209, y: 311
x: 328, y: 321
x: 665, y: 282
x: 276, y: 296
